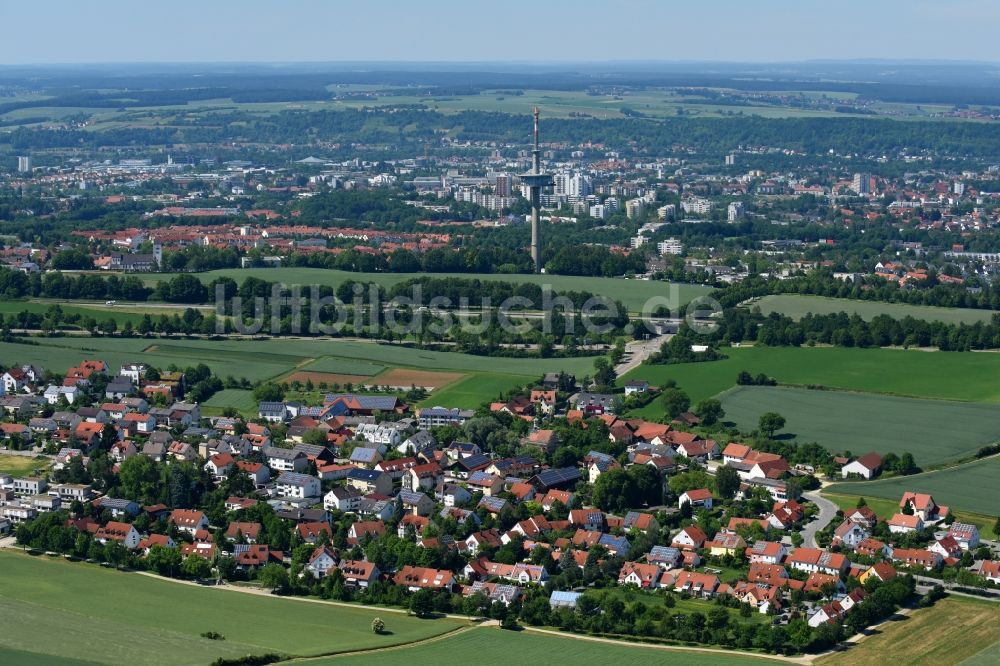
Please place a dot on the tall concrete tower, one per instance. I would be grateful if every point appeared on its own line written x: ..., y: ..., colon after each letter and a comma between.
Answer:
x: 536, y: 180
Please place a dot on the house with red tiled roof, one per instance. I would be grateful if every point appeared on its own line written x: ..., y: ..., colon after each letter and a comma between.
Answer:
x: 766, y: 552
x: 696, y: 584
x: 313, y: 532
x: 923, y: 505
x: 849, y: 534
x: 863, y: 516
x: 947, y: 547
x: 770, y: 574
x: 123, y: 533
x: 587, y: 519
x: 543, y: 439
x: 322, y: 561
x: 883, y: 571
x: 866, y: 467
x: 698, y: 497
x: 873, y: 548
x: 916, y: 557
x: 483, y: 539
x: 644, y: 522
x: 990, y: 570
x: 358, y: 573
x: 161, y: 540
x: 817, y: 581
x: 220, y: 465
x: 699, y: 449
x: 529, y: 528
x: 522, y: 492
x: 248, y: 531
x: 690, y: 537
x: 545, y: 401
x: 255, y: 556
x: 359, y: 530
x: 564, y: 497
x: 815, y: 559
x: 422, y: 477
x: 735, y: 453
x: 424, y: 578
x: 189, y: 520
x: 902, y: 523
x: 756, y: 595
x: 644, y: 576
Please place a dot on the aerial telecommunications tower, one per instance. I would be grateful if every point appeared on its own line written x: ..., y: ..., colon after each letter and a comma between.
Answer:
x: 536, y: 180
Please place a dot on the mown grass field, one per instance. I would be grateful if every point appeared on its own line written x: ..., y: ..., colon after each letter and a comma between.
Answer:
x: 21, y: 465
x: 239, y: 399
x: 987, y: 657
x: 974, y: 486
x: 951, y: 630
x: 488, y: 646
x: 798, y: 305
x: 75, y: 611
x: 934, y: 431
x: 633, y: 293
x: 947, y: 375
x: 886, y: 508
x: 468, y: 393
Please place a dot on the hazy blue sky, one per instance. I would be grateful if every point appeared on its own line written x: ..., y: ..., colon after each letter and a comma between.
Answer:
x: 65, y: 31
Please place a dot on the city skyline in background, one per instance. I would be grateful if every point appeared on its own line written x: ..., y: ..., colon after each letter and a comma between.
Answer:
x: 61, y: 32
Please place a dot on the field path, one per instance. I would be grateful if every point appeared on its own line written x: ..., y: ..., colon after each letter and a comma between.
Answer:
x: 391, y: 648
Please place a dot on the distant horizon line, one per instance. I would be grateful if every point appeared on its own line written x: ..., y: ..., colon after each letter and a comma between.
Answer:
x: 508, y: 62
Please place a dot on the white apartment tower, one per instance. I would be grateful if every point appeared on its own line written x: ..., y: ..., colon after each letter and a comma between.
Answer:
x: 735, y: 211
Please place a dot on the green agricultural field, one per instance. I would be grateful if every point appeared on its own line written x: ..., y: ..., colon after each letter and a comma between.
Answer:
x: 472, y: 391
x: 340, y: 365
x: 487, y: 646
x: 934, y: 431
x: 633, y: 293
x: 796, y: 306
x: 22, y: 658
x: 289, y: 351
x: 21, y: 465
x: 271, y: 359
x: 8, y: 308
x: 972, y: 487
x: 949, y: 375
x: 886, y: 508
x: 238, y: 399
x: 918, y: 639
x: 76, y: 611
x: 59, y: 354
